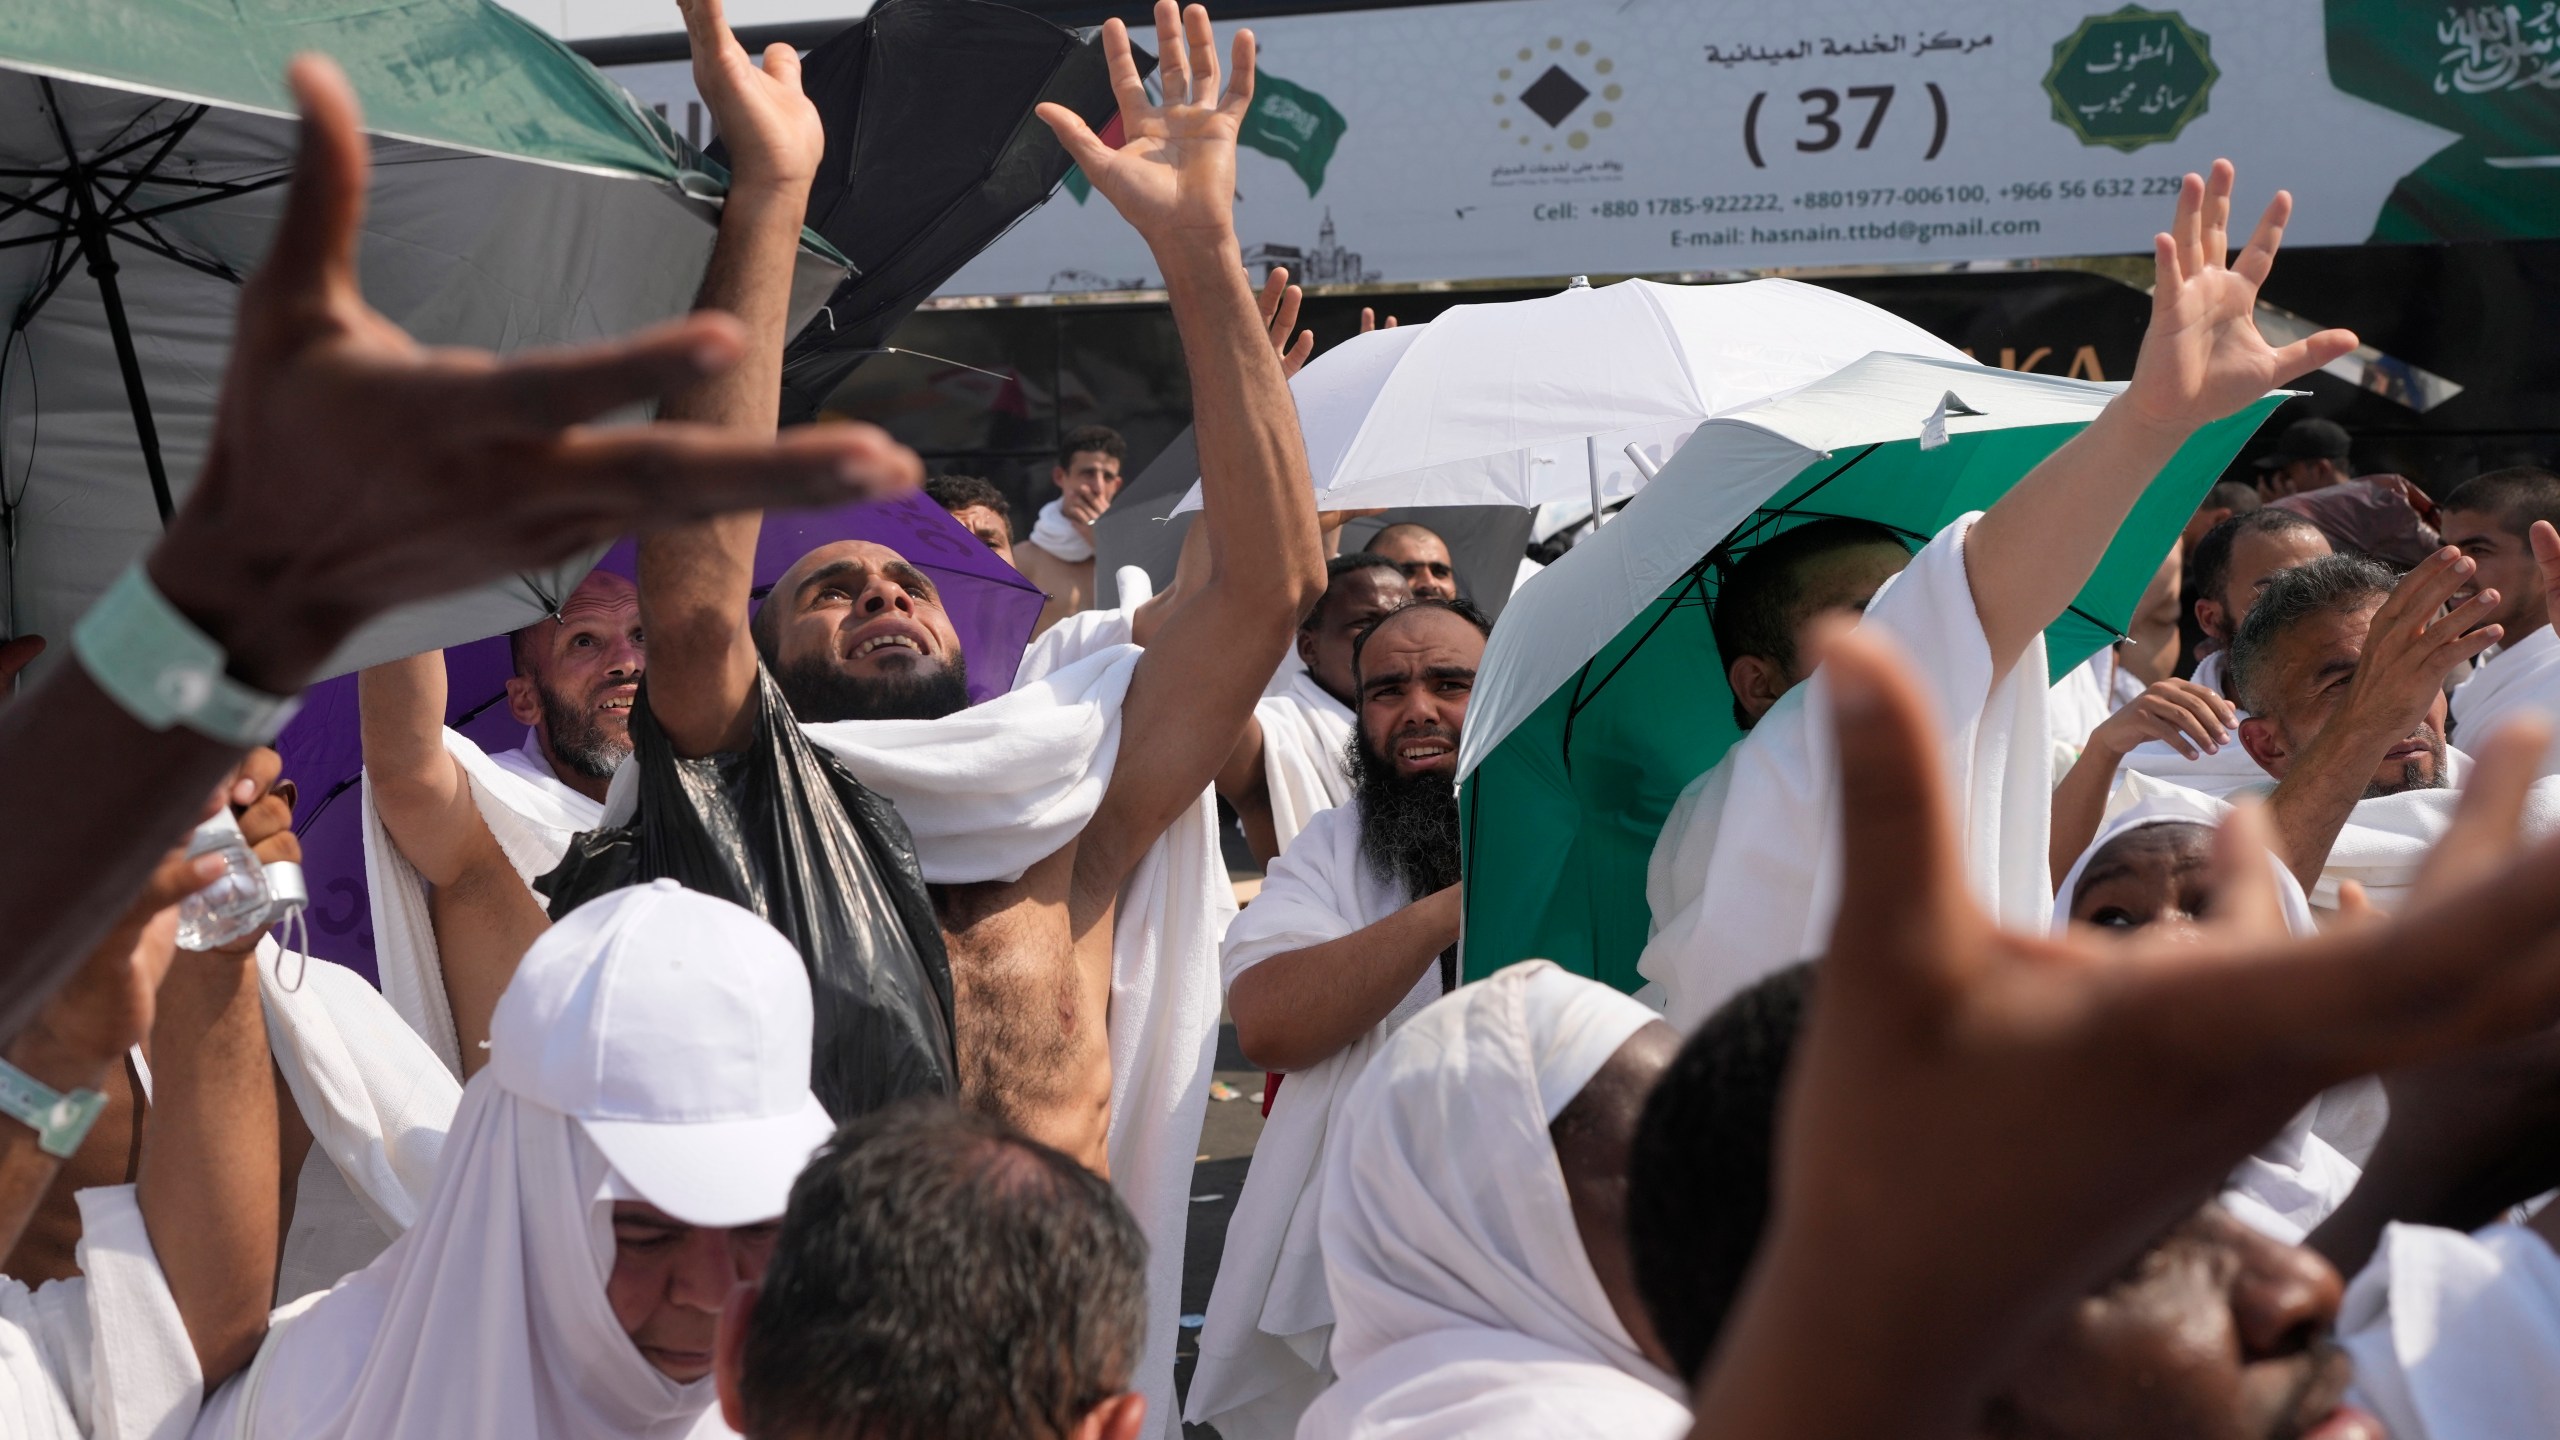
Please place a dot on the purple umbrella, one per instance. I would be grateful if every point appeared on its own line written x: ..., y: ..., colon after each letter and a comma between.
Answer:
x: 989, y: 602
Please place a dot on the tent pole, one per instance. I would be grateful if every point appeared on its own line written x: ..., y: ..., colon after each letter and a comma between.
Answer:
x: 1591, y: 463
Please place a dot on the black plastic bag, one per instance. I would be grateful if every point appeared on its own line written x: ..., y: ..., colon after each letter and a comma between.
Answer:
x: 785, y: 830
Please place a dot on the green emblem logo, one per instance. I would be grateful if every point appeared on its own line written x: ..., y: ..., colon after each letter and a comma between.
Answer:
x: 2131, y: 79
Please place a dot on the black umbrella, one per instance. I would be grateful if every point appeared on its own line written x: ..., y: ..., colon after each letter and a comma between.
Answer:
x: 932, y: 153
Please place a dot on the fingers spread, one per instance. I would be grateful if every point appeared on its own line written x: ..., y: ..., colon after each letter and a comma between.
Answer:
x: 2188, y: 227
x: 315, y: 242
x: 1081, y: 144
x: 1173, y: 67
x: 1203, y: 44
x: 1127, y: 86
x: 2217, y: 213
x: 2260, y: 256
x: 543, y: 391
x: 2313, y: 352
x: 1239, y: 96
x: 647, y: 476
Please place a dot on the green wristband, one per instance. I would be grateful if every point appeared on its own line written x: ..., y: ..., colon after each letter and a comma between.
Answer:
x: 60, y: 1121
x: 164, y: 671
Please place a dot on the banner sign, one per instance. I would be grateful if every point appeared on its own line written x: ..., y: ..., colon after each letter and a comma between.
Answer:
x: 1528, y: 138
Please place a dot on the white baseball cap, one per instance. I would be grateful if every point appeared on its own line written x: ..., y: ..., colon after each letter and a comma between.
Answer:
x: 674, y: 1028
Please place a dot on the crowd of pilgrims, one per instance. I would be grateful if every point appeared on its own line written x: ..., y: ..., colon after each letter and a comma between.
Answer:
x: 2166, y: 1051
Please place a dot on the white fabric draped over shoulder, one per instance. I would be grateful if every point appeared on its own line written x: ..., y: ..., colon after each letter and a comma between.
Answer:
x: 2457, y: 1337
x: 1305, y: 732
x: 2295, y: 1180
x: 1465, y: 1305
x: 992, y: 790
x: 1262, y: 1352
x: 534, y: 817
x: 487, y: 1318
x: 104, y: 1356
x: 378, y: 1103
x: 2514, y: 680
x: 1745, y: 878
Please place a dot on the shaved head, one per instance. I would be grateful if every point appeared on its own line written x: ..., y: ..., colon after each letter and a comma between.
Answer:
x: 853, y: 631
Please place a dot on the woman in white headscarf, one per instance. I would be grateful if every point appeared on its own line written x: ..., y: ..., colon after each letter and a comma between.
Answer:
x: 1473, y: 1239
x: 2152, y: 865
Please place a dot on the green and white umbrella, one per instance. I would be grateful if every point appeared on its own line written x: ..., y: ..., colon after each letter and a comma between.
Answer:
x: 519, y: 198
x: 1601, y: 694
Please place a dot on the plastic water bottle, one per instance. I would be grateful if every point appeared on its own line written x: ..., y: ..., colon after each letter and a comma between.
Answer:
x: 233, y: 906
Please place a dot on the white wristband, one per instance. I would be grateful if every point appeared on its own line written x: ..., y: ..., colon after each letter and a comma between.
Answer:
x: 164, y: 671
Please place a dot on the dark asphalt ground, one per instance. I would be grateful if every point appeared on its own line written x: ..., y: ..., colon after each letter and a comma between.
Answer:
x: 1227, y: 1134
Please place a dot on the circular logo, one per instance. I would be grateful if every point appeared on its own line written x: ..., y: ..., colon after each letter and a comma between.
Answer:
x: 1556, y: 94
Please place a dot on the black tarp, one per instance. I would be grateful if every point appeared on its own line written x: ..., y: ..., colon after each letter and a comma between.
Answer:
x: 785, y: 830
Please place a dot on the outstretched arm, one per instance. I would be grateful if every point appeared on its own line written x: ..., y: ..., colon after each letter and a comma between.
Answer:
x: 695, y: 581
x: 2202, y: 359
x: 351, y: 470
x: 1175, y: 181
x: 208, y: 1189
x: 485, y: 916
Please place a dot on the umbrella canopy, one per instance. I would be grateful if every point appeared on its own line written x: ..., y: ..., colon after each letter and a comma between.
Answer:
x: 1602, y: 695
x: 990, y: 604
x: 518, y: 199
x: 932, y: 153
x: 1529, y: 401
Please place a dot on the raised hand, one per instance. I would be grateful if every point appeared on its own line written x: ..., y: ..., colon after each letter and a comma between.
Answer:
x: 1174, y: 177
x: 2415, y: 644
x: 1982, y: 1126
x: 352, y: 469
x: 771, y: 129
x: 2191, y: 719
x: 1279, y: 301
x: 2203, y: 357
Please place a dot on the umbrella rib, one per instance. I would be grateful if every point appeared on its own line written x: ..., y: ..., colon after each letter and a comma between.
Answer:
x: 160, y: 245
x: 215, y: 190
x: 61, y: 264
x: 169, y: 138
x: 1582, y: 700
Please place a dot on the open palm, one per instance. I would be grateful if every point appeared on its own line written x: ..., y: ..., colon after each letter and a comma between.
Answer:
x: 2203, y: 358
x: 1176, y: 169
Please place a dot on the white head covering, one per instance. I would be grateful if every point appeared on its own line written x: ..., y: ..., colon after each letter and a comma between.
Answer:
x: 1461, y: 1292
x: 2175, y: 805
x: 489, y: 1316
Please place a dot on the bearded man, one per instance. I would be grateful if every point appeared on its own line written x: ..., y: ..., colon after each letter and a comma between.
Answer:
x: 2342, y: 669
x: 1061, y: 837
x: 454, y: 836
x: 1355, y: 932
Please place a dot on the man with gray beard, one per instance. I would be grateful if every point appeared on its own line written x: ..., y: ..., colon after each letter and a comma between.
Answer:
x: 2341, y: 670
x: 1354, y: 932
x: 454, y: 836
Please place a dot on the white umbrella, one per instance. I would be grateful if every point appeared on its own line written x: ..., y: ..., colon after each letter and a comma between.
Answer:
x: 1535, y: 401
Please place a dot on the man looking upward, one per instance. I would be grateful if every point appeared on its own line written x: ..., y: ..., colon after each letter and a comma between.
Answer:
x: 1065, y: 828
x: 1745, y: 876
x: 456, y: 837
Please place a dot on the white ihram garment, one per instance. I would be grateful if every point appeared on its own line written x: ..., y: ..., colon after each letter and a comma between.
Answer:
x: 1465, y: 1304
x: 378, y: 1103
x: 2457, y: 1337
x: 487, y: 1318
x: 1262, y: 1353
x: 106, y: 1354
x: 2513, y: 680
x: 2295, y: 1180
x: 1305, y: 732
x: 992, y: 790
x: 1052, y: 531
x: 534, y: 816
x: 2084, y: 699
x: 1745, y: 878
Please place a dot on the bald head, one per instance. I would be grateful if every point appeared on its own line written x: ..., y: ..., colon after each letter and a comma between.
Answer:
x: 576, y: 675
x: 1423, y: 556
